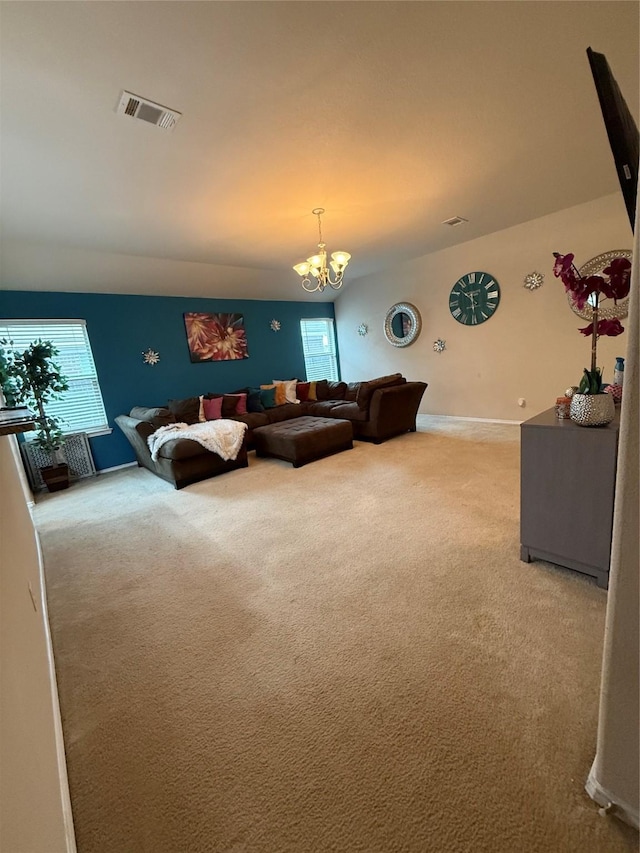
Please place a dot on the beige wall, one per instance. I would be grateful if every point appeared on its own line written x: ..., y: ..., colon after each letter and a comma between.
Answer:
x: 35, y: 815
x: 530, y: 348
x: 615, y: 776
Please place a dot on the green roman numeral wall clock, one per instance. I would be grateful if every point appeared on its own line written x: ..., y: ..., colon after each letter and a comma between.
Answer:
x: 474, y: 298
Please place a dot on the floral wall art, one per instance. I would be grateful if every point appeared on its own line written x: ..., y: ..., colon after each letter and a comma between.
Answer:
x: 216, y: 337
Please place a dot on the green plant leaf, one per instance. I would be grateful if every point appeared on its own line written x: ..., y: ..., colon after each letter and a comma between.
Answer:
x: 32, y: 378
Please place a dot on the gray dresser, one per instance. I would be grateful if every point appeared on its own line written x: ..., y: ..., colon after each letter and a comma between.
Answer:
x: 567, y: 486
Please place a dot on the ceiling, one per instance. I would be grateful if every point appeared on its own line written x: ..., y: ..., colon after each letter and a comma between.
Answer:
x: 391, y: 115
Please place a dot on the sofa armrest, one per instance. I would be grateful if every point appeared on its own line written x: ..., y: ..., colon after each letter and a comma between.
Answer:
x: 393, y: 410
x: 365, y: 390
x: 137, y: 433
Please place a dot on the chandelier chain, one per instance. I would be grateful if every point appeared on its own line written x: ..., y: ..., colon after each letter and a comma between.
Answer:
x: 318, y: 211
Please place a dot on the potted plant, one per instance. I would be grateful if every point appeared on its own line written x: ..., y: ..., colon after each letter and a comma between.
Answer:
x: 591, y: 406
x: 32, y: 378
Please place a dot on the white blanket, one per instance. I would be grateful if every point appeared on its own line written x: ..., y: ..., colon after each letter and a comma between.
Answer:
x: 221, y: 436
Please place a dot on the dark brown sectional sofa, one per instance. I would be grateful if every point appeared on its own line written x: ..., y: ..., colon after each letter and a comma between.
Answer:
x: 378, y: 409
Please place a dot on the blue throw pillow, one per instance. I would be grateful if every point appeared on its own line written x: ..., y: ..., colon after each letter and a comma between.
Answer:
x: 254, y: 403
x: 268, y: 397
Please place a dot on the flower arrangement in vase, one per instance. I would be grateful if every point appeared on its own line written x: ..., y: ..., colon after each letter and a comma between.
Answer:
x: 590, y: 406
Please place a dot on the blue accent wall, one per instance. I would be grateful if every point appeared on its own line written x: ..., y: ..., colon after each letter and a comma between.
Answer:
x: 122, y: 327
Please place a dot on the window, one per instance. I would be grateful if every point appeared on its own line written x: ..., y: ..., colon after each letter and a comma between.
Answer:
x: 80, y: 408
x: 319, y: 348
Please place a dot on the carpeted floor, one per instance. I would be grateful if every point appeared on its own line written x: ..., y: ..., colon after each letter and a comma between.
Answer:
x: 349, y: 656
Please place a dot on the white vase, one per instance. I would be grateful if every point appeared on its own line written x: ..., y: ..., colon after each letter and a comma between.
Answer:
x: 592, y: 409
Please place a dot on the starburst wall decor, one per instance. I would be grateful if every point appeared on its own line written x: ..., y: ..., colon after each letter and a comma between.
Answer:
x: 533, y: 280
x: 151, y: 357
x: 275, y: 325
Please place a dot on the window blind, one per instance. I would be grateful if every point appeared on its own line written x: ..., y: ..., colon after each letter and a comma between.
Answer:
x: 81, y: 408
x: 319, y: 348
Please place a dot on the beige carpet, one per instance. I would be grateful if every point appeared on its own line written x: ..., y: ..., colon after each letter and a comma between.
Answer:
x: 345, y: 657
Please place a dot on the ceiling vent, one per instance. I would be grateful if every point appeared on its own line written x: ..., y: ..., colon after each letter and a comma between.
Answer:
x: 455, y: 220
x: 137, y: 107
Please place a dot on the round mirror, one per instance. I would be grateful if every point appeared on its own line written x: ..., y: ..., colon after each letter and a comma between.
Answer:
x: 402, y: 324
x: 595, y: 266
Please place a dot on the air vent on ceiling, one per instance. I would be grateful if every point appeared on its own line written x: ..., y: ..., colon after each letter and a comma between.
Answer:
x: 146, y: 110
x: 455, y: 220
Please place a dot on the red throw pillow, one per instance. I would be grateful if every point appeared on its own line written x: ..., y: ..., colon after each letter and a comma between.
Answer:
x: 302, y: 391
x: 241, y: 408
x: 212, y: 408
x: 234, y: 404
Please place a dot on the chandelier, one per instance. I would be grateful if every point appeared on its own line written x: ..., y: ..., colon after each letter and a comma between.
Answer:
x: 316, y: 265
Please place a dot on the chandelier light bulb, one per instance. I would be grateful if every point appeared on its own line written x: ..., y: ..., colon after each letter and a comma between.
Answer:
x: 316, y: 265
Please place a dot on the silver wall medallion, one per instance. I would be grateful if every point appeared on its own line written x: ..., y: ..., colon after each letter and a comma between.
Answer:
x: 363, y: 329
x: 402, y: 324
x: 275, y: 325
x: 439, y: 345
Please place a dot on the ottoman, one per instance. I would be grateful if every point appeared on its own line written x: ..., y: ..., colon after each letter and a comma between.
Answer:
x: 304, y: 439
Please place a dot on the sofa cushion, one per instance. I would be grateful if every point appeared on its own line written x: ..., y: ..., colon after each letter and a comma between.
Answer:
x: 321, y: 389
x: 302, y: 391
x: 268, y: 397
x: 336, y: 390
x: 289, y: 389
x: 326, y: 390
x: 351, y: 393
x: 181, y: 448
x: 279, y: 394
x: 349, y: 411
x: 366, y: 389
x: 253, y: 419
x: 157, y: 415
x: 254, y: 403
x: 321, y: 408
x: 234, y: 404
x: 312, y: 391
x: 185, y: 411
x: 285, y: 412
x: 212, y: 408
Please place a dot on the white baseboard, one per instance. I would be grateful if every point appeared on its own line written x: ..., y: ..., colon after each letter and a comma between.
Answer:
x: 477, y: 420
x: 117, y: 467
x: 604, y: 798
